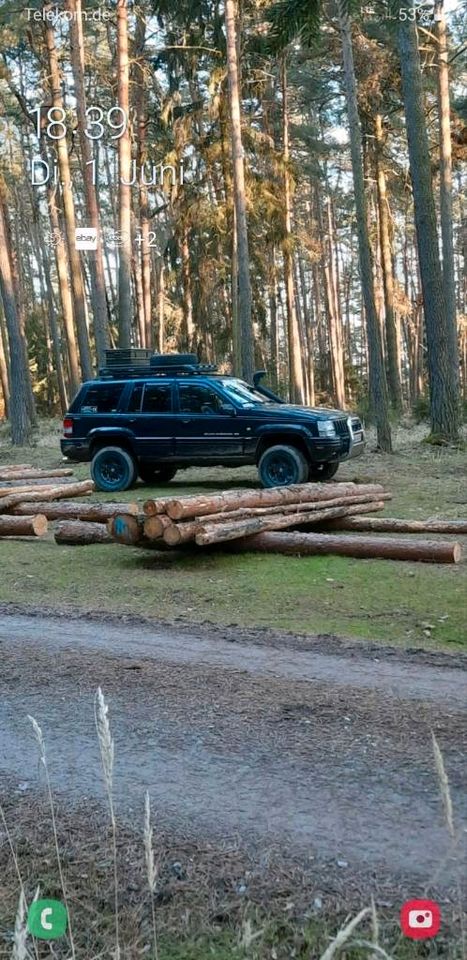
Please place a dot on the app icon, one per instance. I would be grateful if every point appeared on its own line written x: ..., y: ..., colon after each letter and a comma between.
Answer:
x: 86, y: 238
x: 420, y: 919
x: 47, y: 919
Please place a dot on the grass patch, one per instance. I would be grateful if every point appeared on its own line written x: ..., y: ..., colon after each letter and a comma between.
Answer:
x: 395, y: 602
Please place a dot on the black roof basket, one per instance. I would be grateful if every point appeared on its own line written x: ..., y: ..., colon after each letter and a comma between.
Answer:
x: 138, y: 363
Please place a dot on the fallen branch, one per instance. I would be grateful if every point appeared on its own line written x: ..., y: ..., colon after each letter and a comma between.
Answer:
x: 311, y: 544
x: 393, y: 525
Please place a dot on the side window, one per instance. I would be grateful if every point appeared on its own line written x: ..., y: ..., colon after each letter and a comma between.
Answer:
x: 102, y: 398
x: 134, y: 403
x: 198, y: 398
x: 157, y: 398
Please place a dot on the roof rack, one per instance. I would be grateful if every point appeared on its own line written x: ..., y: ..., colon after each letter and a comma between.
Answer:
x: 136, y: 372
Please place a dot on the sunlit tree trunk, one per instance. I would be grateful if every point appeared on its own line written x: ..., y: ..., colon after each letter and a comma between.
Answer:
x: 245, y: 323
x: 124, y: 190
x: 4, y: 364
x: 296, y: 384
x: 441, y: 336
x: 61, y: 146
x: 377, y: 375
x: 95, y: 259
x: 445, y: 153
x: 19, y: 412
x: 391, y: 324
x: 142, y: 122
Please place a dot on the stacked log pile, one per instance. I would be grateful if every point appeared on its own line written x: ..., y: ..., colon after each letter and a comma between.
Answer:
x: 30, y: 497
x: 253, y: 519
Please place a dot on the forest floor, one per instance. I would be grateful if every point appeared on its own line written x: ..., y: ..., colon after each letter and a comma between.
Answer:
x: 278, y: 710
x: 413, y: 604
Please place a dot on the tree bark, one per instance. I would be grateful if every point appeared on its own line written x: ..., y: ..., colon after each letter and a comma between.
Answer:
x: 296, y: 384
x: 209, y: 533
x: 393, y: 525
x: 245, y: 322
x: 19, y: 411
x: 391, y: 324
x: 445, y: 151
x: 95, y: 259
x: 312, y: 544
x: 200, y: 505
x: 377, y: 375
x: 33, y: 526
x: 75, y: 533
x: 33, y: 474
x: 124, y: 190
x: 81, y: 489
x: 441, y: 335
x: 71, y: 510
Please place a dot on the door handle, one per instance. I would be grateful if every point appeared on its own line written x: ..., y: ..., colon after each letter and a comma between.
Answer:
x: 187, y: 421
x: 132, y: 420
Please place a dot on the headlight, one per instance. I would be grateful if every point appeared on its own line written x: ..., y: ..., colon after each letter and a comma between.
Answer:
x: 326, y: 428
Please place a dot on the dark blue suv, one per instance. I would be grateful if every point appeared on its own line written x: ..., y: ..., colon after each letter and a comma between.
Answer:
x: 149, y: 416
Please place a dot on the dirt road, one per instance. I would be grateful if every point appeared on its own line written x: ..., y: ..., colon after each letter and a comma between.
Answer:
x: 324, y: 753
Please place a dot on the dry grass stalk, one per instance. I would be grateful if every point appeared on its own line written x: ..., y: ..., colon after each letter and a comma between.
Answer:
x: 106, y: 746
x: 20, y: 950
x: 17, y: 869
x: 443, y: 785
x: 344, y: 934
x: 41, y: 743
x: 151, y: 869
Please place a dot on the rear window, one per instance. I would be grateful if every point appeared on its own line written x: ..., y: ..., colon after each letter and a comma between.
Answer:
x: 157, y: 398
x: 101, y: 398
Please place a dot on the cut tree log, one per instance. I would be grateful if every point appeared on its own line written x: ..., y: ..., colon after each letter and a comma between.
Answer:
x: 74, y: 510
x: 292, y: 508
x: 154, y: 508
x: 10, y: 467
x: 301, y: 513
x: 33, y: 474
x: 311, y: 544
x: 34, y: 526
x: 201, y: 505
x: 155, y: 527
x: 393, y: 525
x: 16, y: 486
x: 76, y: 532
x: 220, y: 532
x: 81, y: 489
x: 128, y: 529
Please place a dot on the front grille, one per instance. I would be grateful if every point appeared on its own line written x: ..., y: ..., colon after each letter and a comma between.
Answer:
x: 342, y: 428
x: 356, y: 424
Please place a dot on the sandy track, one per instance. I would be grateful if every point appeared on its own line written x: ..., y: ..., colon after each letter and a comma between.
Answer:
x: 324, y: 754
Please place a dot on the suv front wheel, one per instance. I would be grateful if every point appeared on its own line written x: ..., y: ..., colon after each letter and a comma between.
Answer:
x: 281, y: 465
x: 113, y: 469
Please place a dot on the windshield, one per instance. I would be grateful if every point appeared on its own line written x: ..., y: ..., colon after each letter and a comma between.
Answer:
x: 242, y: 392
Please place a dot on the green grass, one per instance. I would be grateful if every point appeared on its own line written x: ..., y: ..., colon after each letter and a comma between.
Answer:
x: 395, y: 602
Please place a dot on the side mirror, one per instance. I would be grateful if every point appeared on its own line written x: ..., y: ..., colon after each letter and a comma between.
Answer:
x: 228, y: 409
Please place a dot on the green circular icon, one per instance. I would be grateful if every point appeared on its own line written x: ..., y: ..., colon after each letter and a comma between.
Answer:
x: 47, y: 919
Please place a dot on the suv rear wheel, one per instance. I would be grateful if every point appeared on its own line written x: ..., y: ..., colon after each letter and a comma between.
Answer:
x: 113, y: 469
x: 161, y: 474
x: 322, y: 471
x: 280, y: 466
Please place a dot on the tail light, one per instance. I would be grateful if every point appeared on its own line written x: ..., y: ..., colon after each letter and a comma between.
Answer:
x: 68, y: 426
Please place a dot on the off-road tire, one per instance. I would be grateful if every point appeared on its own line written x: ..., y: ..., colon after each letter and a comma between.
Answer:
x: 113, y: 469
x: 281, y: 465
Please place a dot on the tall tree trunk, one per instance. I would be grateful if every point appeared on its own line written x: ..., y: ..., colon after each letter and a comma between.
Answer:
x: 19, y: 411
x: 296, y: 384
x: 441, y: 336
x: 377, y: 375
x: 445, y: 154
x: 124, y: 190
x: 4, y: 364
x: 142, y: 122
x: 188, y: 331
x: 77, y: 285
x: 274, y: 332
x: 245, y: 322
x: 391, y: 324
x: 96, y: 262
